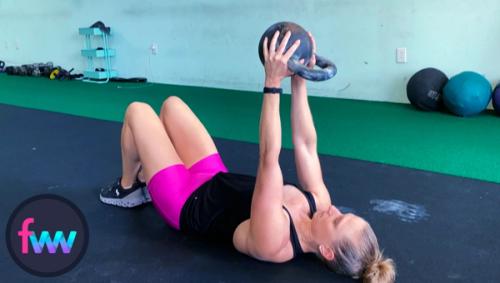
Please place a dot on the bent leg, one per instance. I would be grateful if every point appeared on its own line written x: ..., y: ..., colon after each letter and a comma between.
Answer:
x: 189, y: 137
x: 145, y: 141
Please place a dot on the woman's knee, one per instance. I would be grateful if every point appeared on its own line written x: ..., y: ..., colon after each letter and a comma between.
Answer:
x: 171, y: 103
x: 136, y: 107
x: 135, y: 110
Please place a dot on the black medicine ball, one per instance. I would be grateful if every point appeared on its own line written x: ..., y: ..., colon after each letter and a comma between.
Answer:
x: 425, y: 89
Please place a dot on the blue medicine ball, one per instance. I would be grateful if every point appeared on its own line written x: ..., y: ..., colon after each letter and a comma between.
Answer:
x: 467, y: 94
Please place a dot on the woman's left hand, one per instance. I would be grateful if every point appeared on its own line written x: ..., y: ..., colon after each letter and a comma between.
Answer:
x: 312, y: 61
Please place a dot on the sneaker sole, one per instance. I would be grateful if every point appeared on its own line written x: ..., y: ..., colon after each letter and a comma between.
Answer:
x: 133, y: 199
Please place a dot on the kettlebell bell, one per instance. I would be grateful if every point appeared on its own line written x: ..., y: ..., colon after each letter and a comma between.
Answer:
x: 328, y: 68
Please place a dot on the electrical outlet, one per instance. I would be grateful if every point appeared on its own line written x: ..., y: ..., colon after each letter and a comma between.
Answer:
x: 154, y: 48
x: 401, y: 56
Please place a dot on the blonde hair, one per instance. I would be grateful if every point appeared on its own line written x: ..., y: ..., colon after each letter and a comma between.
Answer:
x: 362, y: 259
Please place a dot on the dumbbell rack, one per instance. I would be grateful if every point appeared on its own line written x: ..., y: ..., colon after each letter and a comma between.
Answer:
x: 91, y: 74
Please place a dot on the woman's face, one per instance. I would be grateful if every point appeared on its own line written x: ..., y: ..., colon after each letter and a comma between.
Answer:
x: 330, y: 224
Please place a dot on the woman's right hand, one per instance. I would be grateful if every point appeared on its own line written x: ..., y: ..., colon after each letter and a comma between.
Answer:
x: 276, y: 60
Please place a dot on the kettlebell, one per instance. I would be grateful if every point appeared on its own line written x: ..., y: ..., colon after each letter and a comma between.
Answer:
x: 328, y: 68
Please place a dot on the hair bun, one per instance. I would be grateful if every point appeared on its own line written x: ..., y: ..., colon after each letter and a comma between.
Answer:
x: 380, y: 270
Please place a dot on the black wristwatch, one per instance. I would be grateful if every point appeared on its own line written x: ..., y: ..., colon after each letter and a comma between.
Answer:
x: 276, y: 90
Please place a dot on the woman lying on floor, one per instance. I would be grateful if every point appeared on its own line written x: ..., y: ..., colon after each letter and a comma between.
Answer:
x: 261, y: 216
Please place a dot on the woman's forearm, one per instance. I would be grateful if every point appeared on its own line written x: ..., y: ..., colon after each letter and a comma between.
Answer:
x: 303, y: 130
x: 270, y: 124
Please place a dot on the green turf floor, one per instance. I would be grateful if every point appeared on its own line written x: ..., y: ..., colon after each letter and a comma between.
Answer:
x: 381, y: 132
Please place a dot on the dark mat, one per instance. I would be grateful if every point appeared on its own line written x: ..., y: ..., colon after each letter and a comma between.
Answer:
x: 447, y: 229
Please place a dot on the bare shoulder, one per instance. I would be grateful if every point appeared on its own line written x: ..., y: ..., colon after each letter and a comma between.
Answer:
x: 244, y: 243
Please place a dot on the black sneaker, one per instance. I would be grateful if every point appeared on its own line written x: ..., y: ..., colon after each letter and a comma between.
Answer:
x: 115, y: 194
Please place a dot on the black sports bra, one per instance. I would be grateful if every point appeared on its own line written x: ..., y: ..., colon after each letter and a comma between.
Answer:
x: 294, y: 238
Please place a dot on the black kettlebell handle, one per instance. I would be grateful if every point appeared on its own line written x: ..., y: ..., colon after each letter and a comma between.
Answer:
x: 2, y: 64
x: 327, y: 71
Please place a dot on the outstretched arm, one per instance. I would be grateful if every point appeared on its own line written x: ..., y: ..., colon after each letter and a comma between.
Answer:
x: 305, y: 140
x: 261, y: 237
